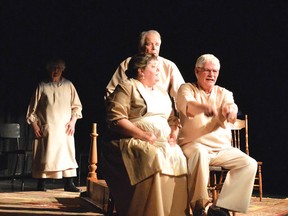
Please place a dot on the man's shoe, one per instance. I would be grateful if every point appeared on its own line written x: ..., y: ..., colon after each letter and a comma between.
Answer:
x: 216, y: 211
x: 71, y: 188
x: 41, y: 185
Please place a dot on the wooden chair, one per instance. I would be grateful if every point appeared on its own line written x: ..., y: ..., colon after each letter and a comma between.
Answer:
x: 239, y: 140
x: 10, y: 135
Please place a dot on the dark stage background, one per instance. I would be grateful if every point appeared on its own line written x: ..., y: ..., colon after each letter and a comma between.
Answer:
x: 249, y: 37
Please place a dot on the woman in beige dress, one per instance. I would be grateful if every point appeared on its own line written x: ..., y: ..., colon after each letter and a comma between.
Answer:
x: 144, y: 167
x: 53, y: 112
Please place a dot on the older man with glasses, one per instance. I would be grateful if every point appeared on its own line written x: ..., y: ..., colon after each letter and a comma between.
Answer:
x: 205, y: 137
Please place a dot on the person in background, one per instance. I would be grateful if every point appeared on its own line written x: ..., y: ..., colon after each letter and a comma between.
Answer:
x: 170, y: 77
x: 53, y: 111
x: 206, y: 110
x: 145, y: 169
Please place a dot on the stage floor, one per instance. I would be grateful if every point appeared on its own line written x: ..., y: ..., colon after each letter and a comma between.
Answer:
x: 56, y: 201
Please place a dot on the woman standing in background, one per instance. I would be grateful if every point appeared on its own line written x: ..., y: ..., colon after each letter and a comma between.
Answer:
x: 53, y: 112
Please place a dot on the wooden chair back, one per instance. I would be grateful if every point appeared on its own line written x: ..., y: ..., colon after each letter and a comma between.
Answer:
x: 239, y: 132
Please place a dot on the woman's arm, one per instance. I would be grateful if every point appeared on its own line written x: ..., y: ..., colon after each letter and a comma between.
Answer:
x: 127, y: 128
x: 173, y: 135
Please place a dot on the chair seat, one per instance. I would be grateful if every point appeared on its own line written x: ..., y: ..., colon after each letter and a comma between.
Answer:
x: 216, y: 168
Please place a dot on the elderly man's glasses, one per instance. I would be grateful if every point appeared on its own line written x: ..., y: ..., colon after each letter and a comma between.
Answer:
x: 206, y: 70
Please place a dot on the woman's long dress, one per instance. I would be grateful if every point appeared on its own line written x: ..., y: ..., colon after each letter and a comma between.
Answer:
x: 52, y: 106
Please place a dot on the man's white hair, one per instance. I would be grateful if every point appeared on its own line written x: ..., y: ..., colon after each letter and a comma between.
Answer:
x: 206, y: 58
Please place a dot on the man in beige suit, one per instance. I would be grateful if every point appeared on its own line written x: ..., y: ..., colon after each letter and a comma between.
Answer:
x: 205, y: 110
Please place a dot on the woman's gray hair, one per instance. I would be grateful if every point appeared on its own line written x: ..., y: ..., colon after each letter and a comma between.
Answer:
x: 55, y: 62
x: 206, y: 58
x: 142, y: 38
x: 140, y: 60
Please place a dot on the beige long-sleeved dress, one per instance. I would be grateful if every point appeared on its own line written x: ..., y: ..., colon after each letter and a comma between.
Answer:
x: 144, y: 179
x: 52, y: 106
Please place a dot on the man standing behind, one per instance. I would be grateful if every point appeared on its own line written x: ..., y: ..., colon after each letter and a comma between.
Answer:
x: 170, y: 76
x: 205, y: 110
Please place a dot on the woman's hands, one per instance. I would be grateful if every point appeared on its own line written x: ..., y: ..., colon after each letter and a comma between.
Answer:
x: 70, y: 126
x: 149, y: 137
x: 172, y: 138
x: 37, y: 130
x: 127, y: 128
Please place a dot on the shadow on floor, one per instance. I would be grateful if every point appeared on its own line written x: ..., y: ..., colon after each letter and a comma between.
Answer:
x: 30, y: 184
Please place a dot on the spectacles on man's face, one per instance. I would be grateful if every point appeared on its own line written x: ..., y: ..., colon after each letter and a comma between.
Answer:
x: 206, y: 70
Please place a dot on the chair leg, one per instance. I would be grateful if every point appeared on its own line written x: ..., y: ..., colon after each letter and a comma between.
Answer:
x: 23, y: 170
x: 260, y: 182
x: 15, y: 168
x: 215, y: 192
